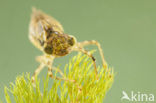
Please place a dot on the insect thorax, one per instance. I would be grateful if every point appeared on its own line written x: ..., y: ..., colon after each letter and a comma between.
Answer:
x: 58, y: 44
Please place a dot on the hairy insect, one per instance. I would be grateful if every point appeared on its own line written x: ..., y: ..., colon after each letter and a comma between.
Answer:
x: 48, y: 35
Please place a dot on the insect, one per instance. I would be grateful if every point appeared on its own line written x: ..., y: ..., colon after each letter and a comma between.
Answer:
x: 47, y: 35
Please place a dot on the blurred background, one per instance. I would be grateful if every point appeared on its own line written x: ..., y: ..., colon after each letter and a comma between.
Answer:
x: 126, y: 30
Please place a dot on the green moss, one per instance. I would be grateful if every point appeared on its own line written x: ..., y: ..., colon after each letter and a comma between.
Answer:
x: 80, y: 69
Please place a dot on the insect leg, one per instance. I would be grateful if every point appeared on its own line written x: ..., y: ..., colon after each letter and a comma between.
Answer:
x: 89, y: 55
x: 93, y: 42
x: 43, y: 62
x: 64, y: 78
x: 38, y: 70
x: 61, y: 73
x: 50, y: 68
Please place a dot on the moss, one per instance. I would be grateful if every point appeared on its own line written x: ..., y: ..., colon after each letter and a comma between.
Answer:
x: 87, y: 88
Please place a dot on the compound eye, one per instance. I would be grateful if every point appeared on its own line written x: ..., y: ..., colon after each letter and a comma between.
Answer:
x: 48, y: 49
x: 71, y: 41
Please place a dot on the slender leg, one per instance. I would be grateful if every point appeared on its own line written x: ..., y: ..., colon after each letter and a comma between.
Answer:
x: 58, y: 70
x: 50, y: 68
x: 58, y: 78
x: 89, y: 55
x: 48, y: 61
x: 61, y: 73
x: 63, y: 79
x: 93, y: 42
x: 37, y: 71
x: 42, y: 61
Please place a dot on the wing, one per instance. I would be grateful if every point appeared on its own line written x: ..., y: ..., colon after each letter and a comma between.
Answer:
x: 46, y: 20
x: 39, y: 24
